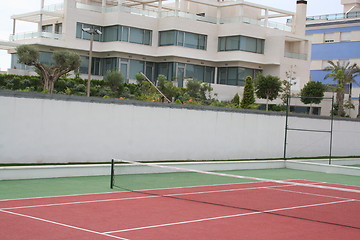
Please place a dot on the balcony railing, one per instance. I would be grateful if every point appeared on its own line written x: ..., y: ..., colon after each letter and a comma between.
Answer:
x: 30, y: 35
x: 54, y: 7
x: 337, y: 16
x: 302, y: 56
x: 156, y: 14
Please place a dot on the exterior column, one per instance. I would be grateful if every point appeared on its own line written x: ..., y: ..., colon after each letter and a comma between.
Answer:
x: 266, y: 20
x: 218, y: 15
x: 177, y: 5
x: 41, y: 16
x: 159, y: 8
x: 14, y: 26
x: 216, y: 75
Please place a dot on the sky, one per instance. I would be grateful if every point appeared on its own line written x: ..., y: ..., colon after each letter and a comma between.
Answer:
x: 13, y: 7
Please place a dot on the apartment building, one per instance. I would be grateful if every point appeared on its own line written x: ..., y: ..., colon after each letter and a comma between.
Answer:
x: 336, y: 37
x: 215, y: 41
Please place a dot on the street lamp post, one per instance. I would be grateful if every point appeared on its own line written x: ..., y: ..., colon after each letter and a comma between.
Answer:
x: 92, y: 32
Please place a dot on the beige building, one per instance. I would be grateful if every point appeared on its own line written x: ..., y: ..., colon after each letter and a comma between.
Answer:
x: 220, y: 42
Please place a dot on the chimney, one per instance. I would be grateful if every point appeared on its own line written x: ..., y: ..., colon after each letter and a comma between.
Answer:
x: 300, y: 17
x: 351, y: 5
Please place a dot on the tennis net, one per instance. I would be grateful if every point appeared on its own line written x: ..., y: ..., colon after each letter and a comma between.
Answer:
x: 169, y: 177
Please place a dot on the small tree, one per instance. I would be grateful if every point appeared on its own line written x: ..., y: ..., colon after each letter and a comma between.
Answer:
x: 198, y: 89
x: 167, y: 87
x: 114, y: 79
x: 65, y: 62
x: 312, y: 93
x: 267, y: 87
x: 236, y: 100
x: 248, y: 96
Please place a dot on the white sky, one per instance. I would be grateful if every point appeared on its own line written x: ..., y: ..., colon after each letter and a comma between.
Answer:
x: 13, y: 7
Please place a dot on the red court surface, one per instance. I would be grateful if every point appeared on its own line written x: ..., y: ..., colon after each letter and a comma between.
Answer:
x: 238, y: 211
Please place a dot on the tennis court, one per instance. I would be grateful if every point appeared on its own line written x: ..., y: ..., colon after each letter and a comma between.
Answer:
x: 215, y: 207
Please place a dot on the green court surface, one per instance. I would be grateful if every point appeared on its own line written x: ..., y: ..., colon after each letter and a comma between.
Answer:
x: 14, y: 189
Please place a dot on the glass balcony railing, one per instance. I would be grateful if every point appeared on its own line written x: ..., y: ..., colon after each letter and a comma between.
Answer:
x: 156, y: 14
x: 54, y: 7
x: 337, y: 16
x: 302, y: 56
x: 31, y: 35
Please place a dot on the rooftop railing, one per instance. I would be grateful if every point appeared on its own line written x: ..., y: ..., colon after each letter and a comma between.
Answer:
x: 337, y: 16
x: 156, y: 14
x: 329, y: 17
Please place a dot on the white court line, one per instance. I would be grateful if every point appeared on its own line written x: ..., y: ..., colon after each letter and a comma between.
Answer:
x: 169, y: 195
x: 110, y: 193
x: 313, y: 194
x: 223, y: 217
x: 135, y: 198
x: 62, y: 224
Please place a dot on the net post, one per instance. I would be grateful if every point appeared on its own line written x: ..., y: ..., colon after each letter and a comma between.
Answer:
x: 112, y: 174
x: 286, y: 125
x: 331, y: 129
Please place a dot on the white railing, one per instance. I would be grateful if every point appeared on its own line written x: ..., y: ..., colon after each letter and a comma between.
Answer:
x: 31, y: 35
x: 156, y: 14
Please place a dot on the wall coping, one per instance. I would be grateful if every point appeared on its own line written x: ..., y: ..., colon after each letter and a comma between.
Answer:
x: 73, y: 98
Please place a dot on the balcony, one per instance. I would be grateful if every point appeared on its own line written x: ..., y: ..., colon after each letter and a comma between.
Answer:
x: 163, y: 14
x: 302, y: 56
x: 31, y: 35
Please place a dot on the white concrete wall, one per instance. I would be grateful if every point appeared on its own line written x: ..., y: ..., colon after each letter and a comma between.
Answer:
x: 77, y: 129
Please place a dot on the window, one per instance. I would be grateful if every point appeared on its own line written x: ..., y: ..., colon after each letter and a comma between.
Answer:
x: 110, y: 34
x: 46, y: 58
x: 167, y: 38
x: 209, y: 74
x: 58, y: 28
x: 147, y: 37
x: 232, y: 43
x: 96, y: 66
x: 241, y: 43
x: 136, y: 67
x: 166, y: 69
x: 109, y: 64
x: 47, y: 28
x: 184, y: 39
x: 235, y: 75
x: 329, y: 37
x: 248, y: 44
x: 180, y: 38
x: 124, y: 34
x: 191, y: 40
x: 345, y: 36
x: 116, y: 33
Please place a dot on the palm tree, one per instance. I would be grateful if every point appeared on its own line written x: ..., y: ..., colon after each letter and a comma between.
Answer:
x: 342, y: 73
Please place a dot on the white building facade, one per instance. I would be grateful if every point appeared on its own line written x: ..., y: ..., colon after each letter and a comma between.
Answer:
x: 219, y: 42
